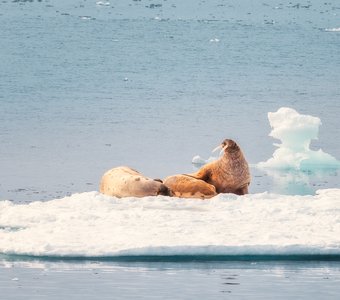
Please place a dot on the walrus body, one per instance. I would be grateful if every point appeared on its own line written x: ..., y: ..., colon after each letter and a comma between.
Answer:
x: 186, y: 186
x: 126, y: 182
x: 230, y: 173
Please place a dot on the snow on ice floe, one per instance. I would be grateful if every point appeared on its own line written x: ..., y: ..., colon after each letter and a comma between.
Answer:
x: 296, y: 131
x: 91, y: 224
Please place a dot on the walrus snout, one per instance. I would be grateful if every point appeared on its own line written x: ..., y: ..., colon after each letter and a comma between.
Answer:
x: 164, y: 191
x: 228, y: 144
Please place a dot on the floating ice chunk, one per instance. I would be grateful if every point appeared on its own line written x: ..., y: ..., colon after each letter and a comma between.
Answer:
x: 103, y: 3
x: 296, y: 132
x: 198, y: 160
x: 333, y: 29
x: 86, y: 18
x: 215, y: 40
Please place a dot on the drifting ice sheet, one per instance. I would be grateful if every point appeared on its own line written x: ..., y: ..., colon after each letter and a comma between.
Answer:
x: 91, y: 224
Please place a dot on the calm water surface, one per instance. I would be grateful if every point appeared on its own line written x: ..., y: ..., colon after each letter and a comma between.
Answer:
x: 170, y: 280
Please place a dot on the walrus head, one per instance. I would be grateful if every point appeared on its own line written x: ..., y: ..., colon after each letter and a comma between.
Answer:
x: 164, y: 191
x: 227, y: 145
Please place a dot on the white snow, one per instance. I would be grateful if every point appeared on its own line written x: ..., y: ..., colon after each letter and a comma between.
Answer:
x: 91, y: 224
x: 296, y: 131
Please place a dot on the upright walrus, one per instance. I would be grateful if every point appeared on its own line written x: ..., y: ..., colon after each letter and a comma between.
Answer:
x: 127, y: 182
x: 230, y: 173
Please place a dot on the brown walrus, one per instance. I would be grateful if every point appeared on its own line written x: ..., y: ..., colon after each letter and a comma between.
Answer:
x: 186, y: 186
x: 230, y: 173
x: 126, y: 182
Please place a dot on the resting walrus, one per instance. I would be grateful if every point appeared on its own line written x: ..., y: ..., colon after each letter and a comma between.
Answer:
x: 230, y: 173
x: 126, y: 182
x: 186, y: 186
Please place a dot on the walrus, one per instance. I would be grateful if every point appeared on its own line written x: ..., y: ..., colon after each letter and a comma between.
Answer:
x: 126, y: 182
x: 186, y: 186
x: 230, y: 173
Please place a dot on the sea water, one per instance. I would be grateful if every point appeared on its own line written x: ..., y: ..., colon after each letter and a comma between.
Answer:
x: 169, y: 280
x: 89, y: 85
x: 85, y: 87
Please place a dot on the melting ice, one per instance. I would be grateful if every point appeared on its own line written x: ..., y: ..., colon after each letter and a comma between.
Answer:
x: 91, y: 224
x: 296, y: 131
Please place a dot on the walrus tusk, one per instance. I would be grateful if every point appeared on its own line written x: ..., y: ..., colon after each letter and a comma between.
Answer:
x: 220, y: 147
x: 223, y: 149
x: 217, y: 148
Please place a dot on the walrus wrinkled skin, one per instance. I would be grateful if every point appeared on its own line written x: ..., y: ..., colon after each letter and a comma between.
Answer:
x: 186, y: 186
x: 126, y: 182
x: 230, y: 173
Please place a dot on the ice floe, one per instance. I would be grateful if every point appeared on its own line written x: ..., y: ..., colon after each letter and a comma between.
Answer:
x: 91, y: 224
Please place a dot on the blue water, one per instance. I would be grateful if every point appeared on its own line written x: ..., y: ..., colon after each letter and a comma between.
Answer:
x: 170, y: 280
x: 149, y: 84
x: 86, y: 87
